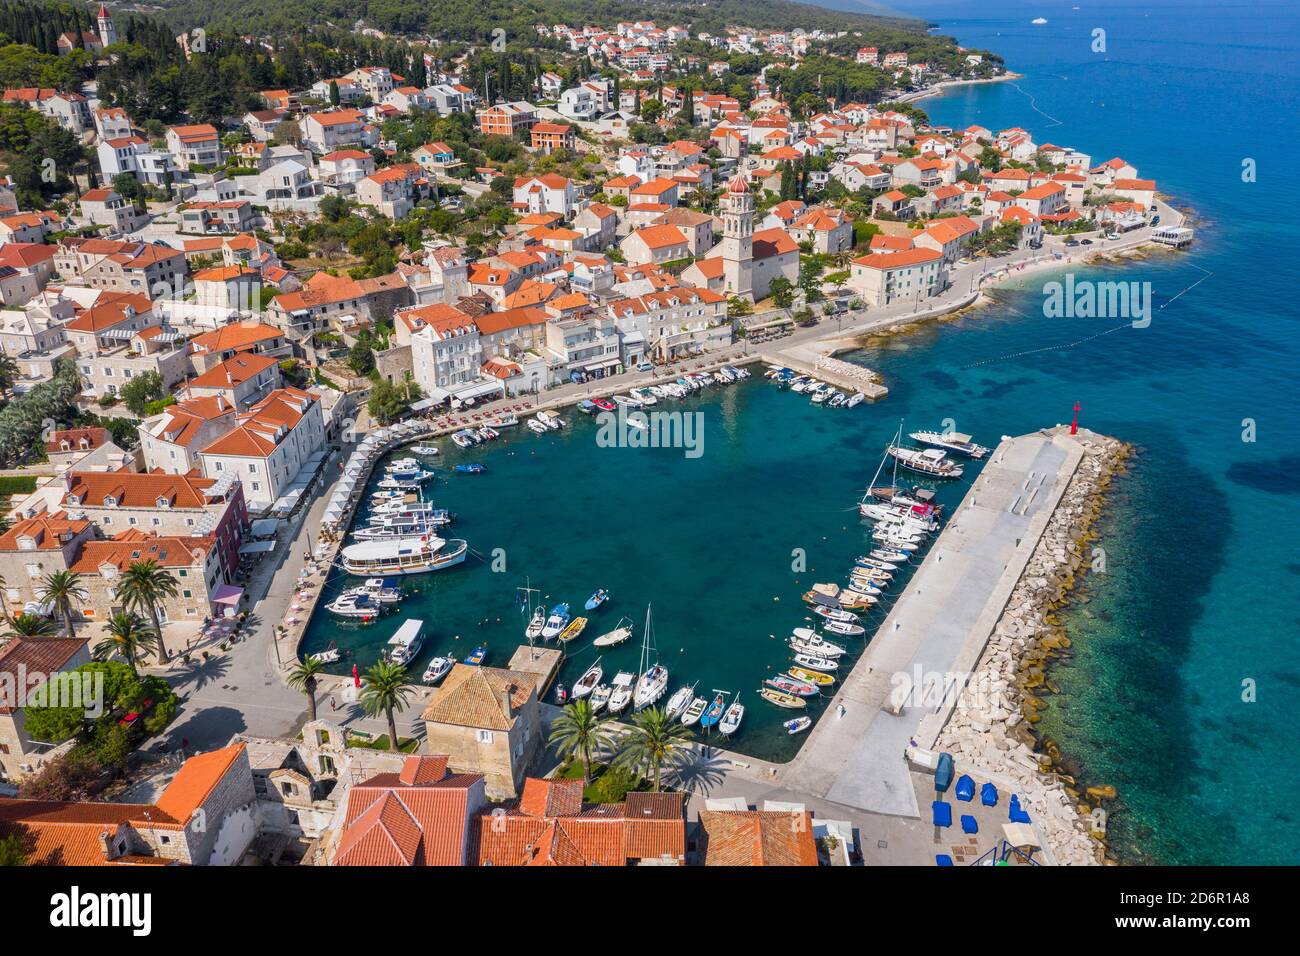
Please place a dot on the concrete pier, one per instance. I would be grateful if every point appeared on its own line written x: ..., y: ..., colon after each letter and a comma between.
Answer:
x: 936, y: 630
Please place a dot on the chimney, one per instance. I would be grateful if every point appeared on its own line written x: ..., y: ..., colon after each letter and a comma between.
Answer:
x: 230, y: 379
x: 506, y: 707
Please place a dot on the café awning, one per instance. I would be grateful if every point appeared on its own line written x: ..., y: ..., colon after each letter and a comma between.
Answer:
x: 228, y: 594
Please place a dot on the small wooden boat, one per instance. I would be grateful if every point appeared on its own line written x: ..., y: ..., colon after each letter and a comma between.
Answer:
x: 534, y: 628
x: 812, y: 662
x: 597, y: 599
x: 788, y: 701
x: 714, y: 713
x: 812, y: 677
x: 792, y: 685
x: 600, y: 697
x: 834, y: 614
x: 617, y: 636
x: 797, y: 726
x: 588, y: 681
x: 844, y: 629
x: 476, y: 656
x: 573, y: 630
x: 730, y: 721
x: 694, y: 711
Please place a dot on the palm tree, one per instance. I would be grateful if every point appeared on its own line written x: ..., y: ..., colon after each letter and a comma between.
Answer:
x: 62, y: 591
x: 303, y: 677
x: 28, y: 625
x: 9, y: 373
x: 577, y: 732
x: 129, y: 636
x: 144, y: 587
x: 387, y: 689
x: 656, y: 739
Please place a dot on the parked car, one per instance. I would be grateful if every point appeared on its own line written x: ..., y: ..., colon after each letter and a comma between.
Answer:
x: 1085, y: 242
x: 645, y: 367
x: 1155, y: 220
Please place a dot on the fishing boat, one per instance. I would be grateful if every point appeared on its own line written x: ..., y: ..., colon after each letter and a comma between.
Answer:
x: 730, y: 721
x: 950, y: 441
x: 812, y: 662
x: 679, y: 701
x: 797, y: 726
x: 427, y: 450
x: 477, y: 656
x: 694, y: 711
x: 403, y: 555
x: 472, y: 468
x: 355, y: 604
x: 622, y: 631
x: 438, y: 669
x: 589, y: 680
x: 597, y: 599
x: 792, y: 685
x: 653, y: 682
x: 811, y: 676
x: 556, y: 622
x: 621, y: 691
x: 535, y: 625
x: 788, y: 701
x: 405, y: 644
x: 932, y: 462
x: 851, y: 600
x: 600, y: 697
x: 573, y: 630
x: 844, y: 628
x: 714, y: 714
x: 811, y: 639
x: 834, y: 614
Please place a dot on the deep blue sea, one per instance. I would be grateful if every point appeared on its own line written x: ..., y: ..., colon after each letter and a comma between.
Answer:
x: 1198, y: 602
x: 1184, y: 686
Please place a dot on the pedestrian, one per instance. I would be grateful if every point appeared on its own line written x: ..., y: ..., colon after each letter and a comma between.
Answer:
x: 333, y: 704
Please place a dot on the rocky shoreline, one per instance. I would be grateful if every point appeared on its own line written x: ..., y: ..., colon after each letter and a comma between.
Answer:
x: 991, y: 728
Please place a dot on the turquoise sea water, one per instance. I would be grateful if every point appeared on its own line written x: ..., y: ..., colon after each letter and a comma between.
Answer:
x: 1200, y: 590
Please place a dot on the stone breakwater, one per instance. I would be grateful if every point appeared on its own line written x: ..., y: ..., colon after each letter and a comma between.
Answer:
x: 991, y: 728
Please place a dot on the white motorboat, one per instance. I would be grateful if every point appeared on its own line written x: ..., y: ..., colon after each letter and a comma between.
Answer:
x: 405, y: 644
x: 380, y: 591
x: 537, y: 427
x: 438, y: 669
x: 621, y: 691
x: 798, y: 725
x: 818, y: 647
x: 731, y: 719
x: 589, y: 680
x: 507, y: 420
x: 627, y: 401
x: 833, y: 614
x: 950, y: 441
x: 428, y: 451
x: 354, y: 604
x: 694, y: 711
x: 931, y: 461
x: 644, y: 396
x: 822, y: 664
x: 488, y: 433
x: 844, y: 629
x: 403, y: 555
x: 600, y: 697
x: 402, y: 464
x: 876, y: 564
x: 622, y: 631
x: 679, y: 701
x: 822, y: 393
x: 556, y: 621
x: 552, y: 421
x: 465, y: 438
x: 857, y: 399
x: 330, y: 655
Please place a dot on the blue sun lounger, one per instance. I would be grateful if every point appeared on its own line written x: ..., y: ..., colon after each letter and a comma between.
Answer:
x: 942, y: 814
x: 1014, y: 812
x: 968, y: 824
x: 965, y: 788
x: 989, y: 795
x: 942, y: 859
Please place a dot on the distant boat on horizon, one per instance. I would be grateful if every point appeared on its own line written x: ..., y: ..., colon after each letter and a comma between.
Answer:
x: 1038, y: 21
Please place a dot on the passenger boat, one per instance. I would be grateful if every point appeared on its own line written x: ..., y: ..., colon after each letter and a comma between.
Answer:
x: 534, y: 628
x: 473, y: 468
x: 730, y: 721
x: 403, y: 556
x: 405, y: 644
x: 438, y: 669
x: 679, y: 701
x: 811, y: 662
x: 477, y: 656
x: 588, y: 681
x: 622, y: 631
x: 428, y: 451
x: 573, y: 630
x: 556, y: 622
x: 811, y: 676
x: 653, y: 682
x: 597, y: 599
x: 950, y: 441
x: 355, y: 604
x: 844, y: 628
x: 621, y: 692
x: 792, y: 685
x: 537, y: 427
x: 797, y: 726
x: 694, y: 711
x: 600, y: 697
x: 422, y: 510
x: 932, y: 462
x: 788, y: 701
x: 714, y: 714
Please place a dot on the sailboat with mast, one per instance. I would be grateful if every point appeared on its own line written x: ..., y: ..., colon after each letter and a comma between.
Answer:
x: 536, y: 619
x: 653, y: 682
